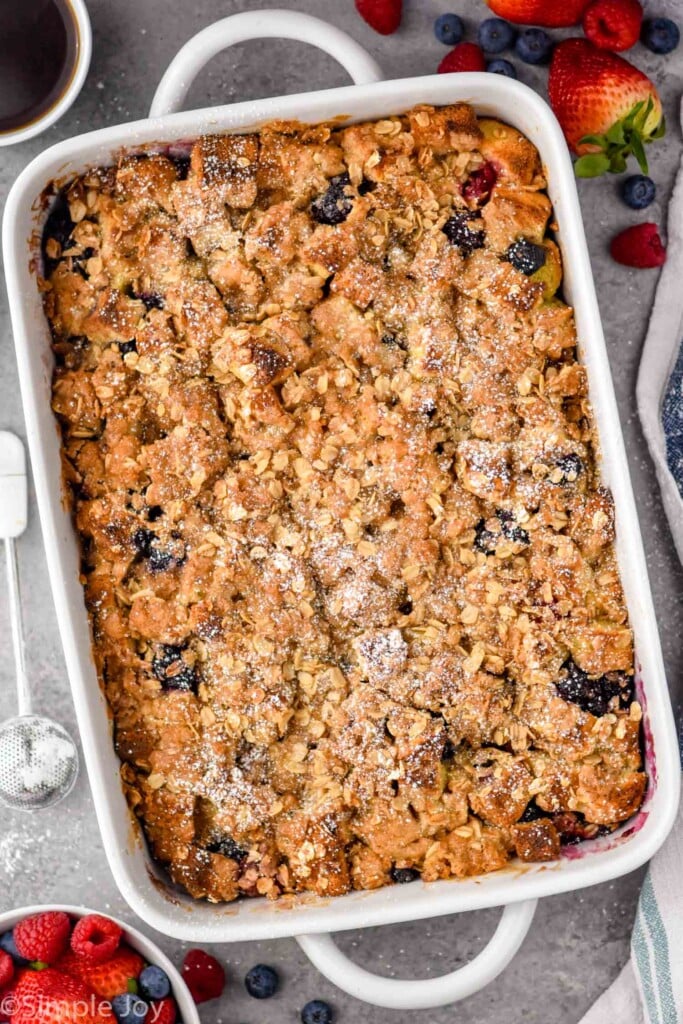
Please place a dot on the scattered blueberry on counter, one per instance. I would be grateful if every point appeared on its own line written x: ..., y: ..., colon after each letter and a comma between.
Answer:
x: 262, y: 981
x: 638, y: 191
x: 534, y: 46
x: 449, y: 29
x: 661, y: 35
x: 500, y: 66
x: 316, y: 1012
x: 496, y: 35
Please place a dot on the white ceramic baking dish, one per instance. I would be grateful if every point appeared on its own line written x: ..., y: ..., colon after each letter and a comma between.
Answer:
x: 515, y: 888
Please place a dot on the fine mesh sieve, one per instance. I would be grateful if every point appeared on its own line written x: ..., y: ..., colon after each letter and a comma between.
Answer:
x: 38, y: 758
x: 38, y: 763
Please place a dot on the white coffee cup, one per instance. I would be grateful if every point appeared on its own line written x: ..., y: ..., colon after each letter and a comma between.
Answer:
x: 78, y: 70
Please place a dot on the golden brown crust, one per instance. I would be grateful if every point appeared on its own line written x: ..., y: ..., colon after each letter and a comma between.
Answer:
x: 348, y: 563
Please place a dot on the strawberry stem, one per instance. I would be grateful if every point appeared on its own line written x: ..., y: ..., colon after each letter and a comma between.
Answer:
x: 627, y: 136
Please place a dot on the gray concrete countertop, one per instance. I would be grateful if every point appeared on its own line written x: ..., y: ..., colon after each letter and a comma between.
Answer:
x: 577, y: 943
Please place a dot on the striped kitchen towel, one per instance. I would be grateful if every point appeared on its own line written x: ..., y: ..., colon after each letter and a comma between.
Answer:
x: 660, y: 378
x: 649, y: 990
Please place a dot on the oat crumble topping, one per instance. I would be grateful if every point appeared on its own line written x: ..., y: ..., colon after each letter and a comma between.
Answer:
x: 346, y: 554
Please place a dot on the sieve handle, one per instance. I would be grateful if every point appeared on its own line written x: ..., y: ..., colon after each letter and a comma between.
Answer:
x: 23, y: 692
x: 13, y: 514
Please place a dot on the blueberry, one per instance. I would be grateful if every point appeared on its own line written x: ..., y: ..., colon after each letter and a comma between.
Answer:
x: 159, y: 559
x: 484, y: 539
x: 59, y: 226
x: 7, y: 944
x: 366, y: 186
x: 316, y: 1012
x: 534, y: 46
x: 127, y: 346
x: 661, y: 35
x: 393, y: 341
x: 143, y: 540
x: 526, y: 256
x: 448, y: 752
x: 261, y: 981
x: 154, y: 983
x: 401, y: 876
x: 129, y: 1008
x: 509, y: 528
x: 460, y: 235
x: 502, y: 67
x: 532, y: 812
x: 182, y: 165
x: 496, y: 35
x: 638, y: 191
x: 152, y: 300
x: 172, y: 671
x: 449, y: 29
x: 227, y: 847
x: 333, y: 206
x: 571, y: 466
x: 594, y: 694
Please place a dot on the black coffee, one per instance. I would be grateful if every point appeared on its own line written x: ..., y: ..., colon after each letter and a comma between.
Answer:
x: 38, y: 52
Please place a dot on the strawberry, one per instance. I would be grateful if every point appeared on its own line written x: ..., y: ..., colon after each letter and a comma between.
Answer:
x: 463, y: 57
x: 382, y: 15
x: 43, y: 936
x: 162, y: 1012
x: 613, y: 24
x: 50, y: 997
x: 6, y: 969
x: 639, y: 246
x: 6, y: 1004
x: 548, y: 13
x: 108, y: 979
x: 607, y: 108
x: 95, y: 938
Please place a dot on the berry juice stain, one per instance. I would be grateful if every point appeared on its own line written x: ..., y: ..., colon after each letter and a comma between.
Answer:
x: 38, y: 54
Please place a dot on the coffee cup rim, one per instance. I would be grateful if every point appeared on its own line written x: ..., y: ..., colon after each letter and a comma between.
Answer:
x: 80, y: 70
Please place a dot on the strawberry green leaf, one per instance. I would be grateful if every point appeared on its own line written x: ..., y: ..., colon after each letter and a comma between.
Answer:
x: 617, y: 163
x: 639, y: 152
x: 594, y: 140
x: 132, y: 986
x: 592, y: 165
x: 660, y: 130
x: 616, y: 134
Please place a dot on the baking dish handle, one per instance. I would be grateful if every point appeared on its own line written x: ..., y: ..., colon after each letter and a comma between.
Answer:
x: 268, y: 24
x: 421, y: 995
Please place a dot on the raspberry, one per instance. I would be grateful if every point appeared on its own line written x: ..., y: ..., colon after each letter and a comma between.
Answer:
x: 6, y: 969
x: 44, y: 936
x: 203, y: 975
x: 463, y: 57
x: 95, y: 938
x: 613, y: 24
x: 163, y: 1012
x: 480, y: 183
x: 639, y: 246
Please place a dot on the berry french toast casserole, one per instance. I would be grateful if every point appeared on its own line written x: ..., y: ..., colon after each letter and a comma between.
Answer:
x: 346, y: 553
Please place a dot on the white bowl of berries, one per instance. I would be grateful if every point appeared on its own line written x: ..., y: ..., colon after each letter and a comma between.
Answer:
x: 70, y: 965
